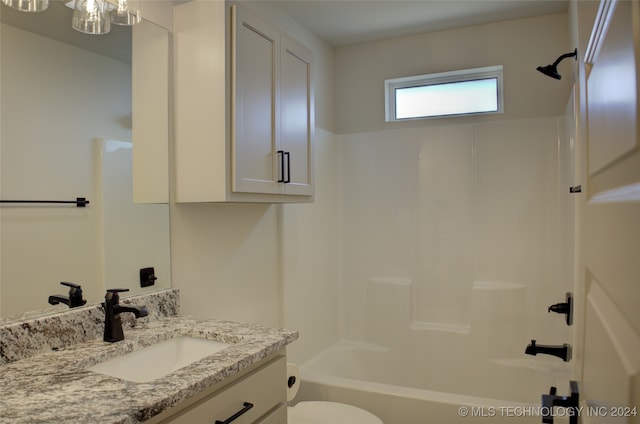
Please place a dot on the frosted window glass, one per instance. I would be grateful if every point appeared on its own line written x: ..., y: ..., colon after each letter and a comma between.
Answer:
x: 453, y: 98
x: 452, y: 93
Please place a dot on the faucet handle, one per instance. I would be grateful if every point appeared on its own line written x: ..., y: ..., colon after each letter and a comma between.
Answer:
x: 72, y: 285
x: 564, y: 308
x: 575, y: 391
x: 75, y: 294
x: 112, y: 294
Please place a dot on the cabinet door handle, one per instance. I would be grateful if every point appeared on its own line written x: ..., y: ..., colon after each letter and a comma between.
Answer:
x: 246, y: 407
x: 281, y: 178
x: 288, y: 180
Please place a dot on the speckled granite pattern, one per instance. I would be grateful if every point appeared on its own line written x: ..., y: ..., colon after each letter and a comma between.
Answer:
x: 55, y: 387
x: 22, y: 339
x: 53, y: 309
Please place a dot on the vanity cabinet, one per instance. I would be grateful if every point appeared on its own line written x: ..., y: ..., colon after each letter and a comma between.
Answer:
x: 244, y: 108
x: 257, y: 397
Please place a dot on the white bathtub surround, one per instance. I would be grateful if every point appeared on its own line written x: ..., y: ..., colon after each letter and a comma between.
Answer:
x: 431, y: 385
x: 484, y: 358
x: 462, y: 204
x: 499, y: 319
x: 406, y: 369
x: 20, y: 339
x: 453, y: 245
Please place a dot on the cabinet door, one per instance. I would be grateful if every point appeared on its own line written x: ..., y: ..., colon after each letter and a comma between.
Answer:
x: 296, y: 117
x: 279, y: 416
x: 254, y: 100
x: 246, y: 401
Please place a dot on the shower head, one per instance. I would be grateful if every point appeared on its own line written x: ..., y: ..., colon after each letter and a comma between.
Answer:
x: 552, y: 70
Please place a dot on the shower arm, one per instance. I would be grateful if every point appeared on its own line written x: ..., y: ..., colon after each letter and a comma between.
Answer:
x: 564, y: 56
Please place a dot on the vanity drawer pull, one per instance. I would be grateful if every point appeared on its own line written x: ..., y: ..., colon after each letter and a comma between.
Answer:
x: 246, y: 407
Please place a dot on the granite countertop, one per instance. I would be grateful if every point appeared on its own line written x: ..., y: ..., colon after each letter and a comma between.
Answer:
x: 56, y: 387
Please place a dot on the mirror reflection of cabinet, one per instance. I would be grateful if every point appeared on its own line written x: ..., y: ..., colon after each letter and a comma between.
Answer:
x: 57, y: 97
x: 150, y: 110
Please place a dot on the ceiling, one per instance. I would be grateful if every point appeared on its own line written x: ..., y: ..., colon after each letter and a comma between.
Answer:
x: 344, y: 22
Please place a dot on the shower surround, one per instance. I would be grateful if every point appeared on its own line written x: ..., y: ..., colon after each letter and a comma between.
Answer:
x: 441, y: 209
x: 454, y: 241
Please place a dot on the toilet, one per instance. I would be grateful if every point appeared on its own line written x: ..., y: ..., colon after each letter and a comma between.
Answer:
x: 320, y: 412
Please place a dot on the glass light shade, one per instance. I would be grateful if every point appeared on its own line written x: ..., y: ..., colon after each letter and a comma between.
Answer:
x: 91, y: 17
x: 28, y: 5
x: 124, y: 15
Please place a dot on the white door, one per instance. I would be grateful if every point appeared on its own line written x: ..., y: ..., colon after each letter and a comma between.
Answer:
x: 608, y: 284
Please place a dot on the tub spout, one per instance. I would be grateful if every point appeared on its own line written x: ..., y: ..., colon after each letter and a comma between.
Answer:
x: 563, y: 352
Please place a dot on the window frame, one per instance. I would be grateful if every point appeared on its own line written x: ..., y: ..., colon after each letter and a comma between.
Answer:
x: 442, y: 78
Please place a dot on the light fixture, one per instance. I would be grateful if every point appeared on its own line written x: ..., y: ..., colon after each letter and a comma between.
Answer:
x: 122, y: 14
x: 28, y: 5
x: 89, y: 16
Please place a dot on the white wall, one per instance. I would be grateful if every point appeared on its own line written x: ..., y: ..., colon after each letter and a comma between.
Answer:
x: 270, y: 264
x: 519, y: 45
x: 311, y: 257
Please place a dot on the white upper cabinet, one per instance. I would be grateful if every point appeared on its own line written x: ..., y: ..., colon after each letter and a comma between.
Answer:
x: 244, y: 108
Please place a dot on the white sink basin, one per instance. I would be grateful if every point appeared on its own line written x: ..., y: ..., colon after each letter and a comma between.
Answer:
x: 158, y: 360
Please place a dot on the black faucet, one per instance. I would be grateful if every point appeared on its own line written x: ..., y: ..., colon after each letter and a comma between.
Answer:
x: 112, y: 310
x: 73, y: 300
x: 563, y: 352
x: 551, y: 400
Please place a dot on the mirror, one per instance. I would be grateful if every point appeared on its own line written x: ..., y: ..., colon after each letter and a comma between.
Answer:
x: 66, y: 132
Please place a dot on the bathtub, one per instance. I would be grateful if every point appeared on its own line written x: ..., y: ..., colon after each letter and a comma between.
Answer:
x: 408, y: 388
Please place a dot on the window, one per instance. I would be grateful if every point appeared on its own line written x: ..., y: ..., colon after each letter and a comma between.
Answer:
x: 465, y: 92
